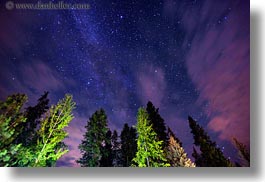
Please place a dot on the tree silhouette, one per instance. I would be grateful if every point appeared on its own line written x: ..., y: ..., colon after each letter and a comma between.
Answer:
x: 33, y: 115
x: 244, y: 154
x: 128, y: 145
x: 94, y: 138
x: 106, y: 151
x: 158, y: 123
x: 116, y: 150
x: 210, y: 155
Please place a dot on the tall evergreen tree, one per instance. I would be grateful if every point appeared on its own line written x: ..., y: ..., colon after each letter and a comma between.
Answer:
x: 116, y: 149
x: 106, y: 151
x: 94, y: 137
x: 128, y: 145
x: 210, y: 155
x: 158, y: 123
x: 171, y: 133
x: 33, y: 115
x: 176, y: 154
x: 149, y: 150
x: 50, y: 146
x: 244, y: 154
x: 11, y: 119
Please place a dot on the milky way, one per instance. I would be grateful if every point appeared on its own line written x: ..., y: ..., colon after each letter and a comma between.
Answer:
x: 187, y: 57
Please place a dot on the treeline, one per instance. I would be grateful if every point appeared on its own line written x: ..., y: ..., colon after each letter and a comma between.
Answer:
x: 33, y: 137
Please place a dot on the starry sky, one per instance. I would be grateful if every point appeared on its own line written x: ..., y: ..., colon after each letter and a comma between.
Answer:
x: 189, y: 57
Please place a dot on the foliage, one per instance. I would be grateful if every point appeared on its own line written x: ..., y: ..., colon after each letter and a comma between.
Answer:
x: 243, y: 153
x: 128, y: 145
x: 149, y: 150
x: 106, y: 151
x: 11, y: 120
x: 176, y: 154
x: 33, y: 115
x: 158, y: 123
x: 210, y: 155
x: 91, y: 145
x: 49, y: 147
x: 116, y: 149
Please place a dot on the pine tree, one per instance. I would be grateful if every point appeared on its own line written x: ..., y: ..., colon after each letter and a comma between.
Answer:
x: 158, y: 123
x: 128, y: 145
x: 33, y: 115
x: 149, y: 150
x: 94, y: 137
x: 170, y: 133
x: 51, y: 133
x: 116, y: 149
x: 244, y: 154
x: 106, y: 151
x: 210, y: 155
x: 11, y: 119
x: 176, y: 154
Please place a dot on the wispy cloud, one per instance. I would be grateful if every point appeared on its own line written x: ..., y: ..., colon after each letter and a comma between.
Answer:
x: 218, y: 64
x: 151, y: 85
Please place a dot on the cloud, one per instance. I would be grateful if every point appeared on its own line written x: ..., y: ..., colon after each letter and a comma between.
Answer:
x: 76, y: 130
x: 151, y: 85
x: 32, y: 78
x: 41, y: 77
x: 218, y: 63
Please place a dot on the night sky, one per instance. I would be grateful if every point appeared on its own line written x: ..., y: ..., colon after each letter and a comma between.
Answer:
x: 189, y: 57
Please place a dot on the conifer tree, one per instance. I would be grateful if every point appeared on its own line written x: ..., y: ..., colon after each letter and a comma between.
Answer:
x: 149, y: 150
x: 106, y: 151
x: 11, y: 119
x: 176, y: 154
x: 244, y: 154
x: 210, y: 155
x: 158, y: 123
x: 128, y: 145
x: 50, y: 146
x: 94, y: 137
x: 33, y: 115
x: 116, y: 150
x: 170, y: 133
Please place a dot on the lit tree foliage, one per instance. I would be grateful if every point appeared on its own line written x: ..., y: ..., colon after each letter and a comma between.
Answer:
x: 210, y: 155
x: 128, y: 145
x: 49, y: 146
x: 243, y: 153
x: 149, y: 150
x: 170, y: 133
x: 93, y: 140
x: 176, y: 155
x: 11, y: 120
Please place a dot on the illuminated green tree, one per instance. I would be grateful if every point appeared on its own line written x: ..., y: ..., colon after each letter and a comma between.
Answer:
x: 50, y: 147
x: 149, y: 150
x: 11, y: 120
